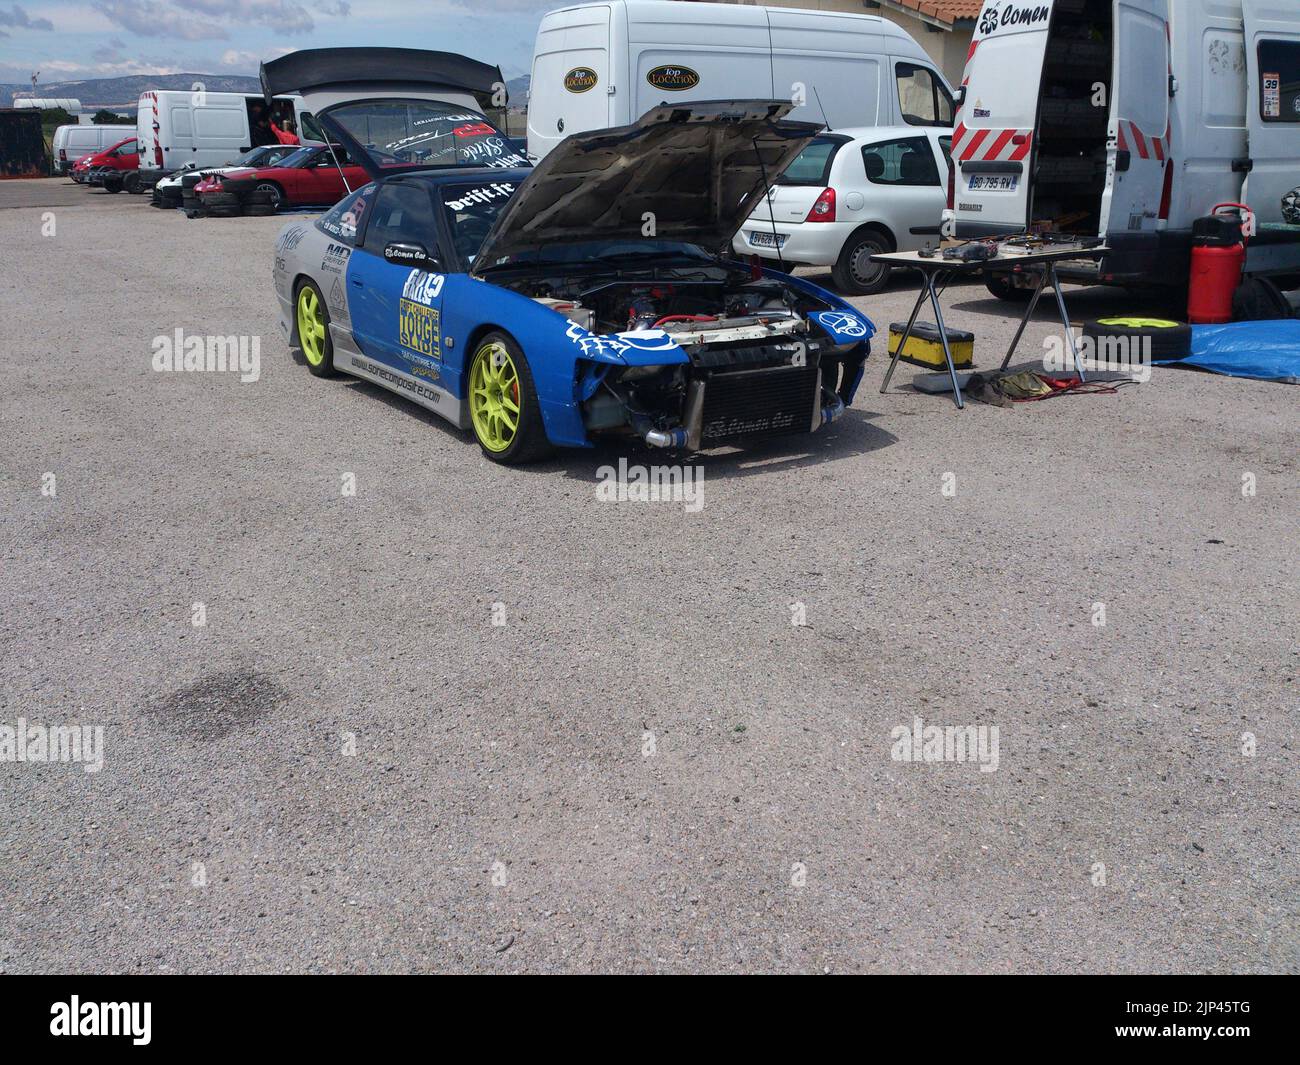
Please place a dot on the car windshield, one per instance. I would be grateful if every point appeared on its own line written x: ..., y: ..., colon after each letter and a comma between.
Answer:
x: 471, y: 209
x: 295, y: 158
x: 265, y: 155
x: 403, y: 134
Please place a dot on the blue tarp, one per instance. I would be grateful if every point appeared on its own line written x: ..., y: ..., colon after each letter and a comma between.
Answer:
x: 1266, y: 351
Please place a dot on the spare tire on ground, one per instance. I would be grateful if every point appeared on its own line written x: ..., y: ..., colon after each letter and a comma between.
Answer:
x: 113, y: 182
x: 220, y: 199
x: 259, y: 209
x: 1168, y: 339
x: 224, y: 210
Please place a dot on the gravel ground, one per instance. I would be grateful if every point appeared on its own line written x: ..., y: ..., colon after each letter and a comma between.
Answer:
x: 648, y: 767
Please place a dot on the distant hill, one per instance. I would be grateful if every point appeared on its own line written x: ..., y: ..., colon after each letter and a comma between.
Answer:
x: 518, y: 90
x: 120, y: 94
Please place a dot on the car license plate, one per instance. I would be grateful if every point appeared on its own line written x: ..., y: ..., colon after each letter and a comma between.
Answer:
x: 760, y: 239
x: 994, y: 182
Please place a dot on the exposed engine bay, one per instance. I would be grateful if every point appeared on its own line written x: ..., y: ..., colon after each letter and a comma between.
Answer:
x: 758, y: 364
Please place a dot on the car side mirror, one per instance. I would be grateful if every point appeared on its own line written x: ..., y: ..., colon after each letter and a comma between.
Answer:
x: 401, y: 253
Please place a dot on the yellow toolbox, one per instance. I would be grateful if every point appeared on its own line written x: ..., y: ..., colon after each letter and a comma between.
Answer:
x: 925, y: 348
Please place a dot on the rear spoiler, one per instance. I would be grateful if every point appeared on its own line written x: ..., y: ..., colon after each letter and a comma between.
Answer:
x: 321, y: 68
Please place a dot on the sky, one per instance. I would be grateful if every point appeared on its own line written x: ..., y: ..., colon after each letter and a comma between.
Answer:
x: 74, y: 39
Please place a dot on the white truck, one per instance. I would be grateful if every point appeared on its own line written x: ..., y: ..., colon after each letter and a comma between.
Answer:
x: 606, y: 64
x: 175, y: 128
x: 1128, y: 120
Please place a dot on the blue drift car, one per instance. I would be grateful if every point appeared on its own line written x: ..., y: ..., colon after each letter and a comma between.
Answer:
x: 586, y: 297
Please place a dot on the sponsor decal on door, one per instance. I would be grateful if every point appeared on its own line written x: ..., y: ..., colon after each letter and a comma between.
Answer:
x: 673, y: 78
x: 580, y: 79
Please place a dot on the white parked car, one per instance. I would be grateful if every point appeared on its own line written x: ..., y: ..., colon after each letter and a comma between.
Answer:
x: 851, y: 194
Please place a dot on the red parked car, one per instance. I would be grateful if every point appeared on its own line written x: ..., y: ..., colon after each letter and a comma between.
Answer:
x: 122, y: 156
x: 307, y: 178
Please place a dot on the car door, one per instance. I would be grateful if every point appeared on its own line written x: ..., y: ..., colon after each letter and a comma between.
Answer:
x: 906, y: 188
x: 396, y: 306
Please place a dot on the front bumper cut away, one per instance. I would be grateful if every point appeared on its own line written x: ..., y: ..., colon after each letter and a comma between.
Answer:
x: 748, y: 405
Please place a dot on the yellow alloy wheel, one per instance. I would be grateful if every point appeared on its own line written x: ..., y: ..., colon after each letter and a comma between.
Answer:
x: 311, y: 325
x: 494, y: 404
x: 1139, y: 323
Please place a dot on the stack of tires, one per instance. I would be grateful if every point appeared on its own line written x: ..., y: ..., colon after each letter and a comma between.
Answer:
x: 189, y: 198
x: 241, y: 197
x: 259, y: 202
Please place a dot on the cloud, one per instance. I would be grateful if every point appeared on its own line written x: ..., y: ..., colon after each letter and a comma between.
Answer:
x: 284, y: 16
x: 19, y: 19
x: 337, y: 8
x: 150, y: 18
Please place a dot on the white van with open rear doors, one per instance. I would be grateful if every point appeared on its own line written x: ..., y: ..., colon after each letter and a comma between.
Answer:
x: 1128, y: 120
x: 606, y: 64
x: 208, y: 128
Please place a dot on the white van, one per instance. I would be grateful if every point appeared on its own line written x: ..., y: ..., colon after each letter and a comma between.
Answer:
x: 206, y: 128
x: 606, y: 64
x: 1128, y: 120
x: 72, y: 142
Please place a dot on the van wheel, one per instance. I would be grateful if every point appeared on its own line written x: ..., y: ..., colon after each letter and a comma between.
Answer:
x: 854, y: 273
x: 1259, y: 299
x: 1000, y: 285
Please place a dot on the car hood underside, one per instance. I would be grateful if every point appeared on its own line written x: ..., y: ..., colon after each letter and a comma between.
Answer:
x: 690, y: 173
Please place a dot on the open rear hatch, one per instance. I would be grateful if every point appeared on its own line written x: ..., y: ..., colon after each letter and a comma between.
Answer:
x: 400, y: 109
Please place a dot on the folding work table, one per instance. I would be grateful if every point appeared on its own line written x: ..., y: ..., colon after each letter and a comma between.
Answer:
x: 937, y: 271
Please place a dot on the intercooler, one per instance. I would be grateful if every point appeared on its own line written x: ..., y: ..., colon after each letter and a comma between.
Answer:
x: 751, y: 403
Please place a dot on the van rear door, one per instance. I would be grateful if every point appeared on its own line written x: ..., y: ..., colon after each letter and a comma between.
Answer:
x: 1138, y: 134
x: 1273, y: 109
x: 993, y: 140
x: 571, y: 82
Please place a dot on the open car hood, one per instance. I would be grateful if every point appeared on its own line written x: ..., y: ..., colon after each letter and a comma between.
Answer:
x: 327, y: 76
x: 696, y: 170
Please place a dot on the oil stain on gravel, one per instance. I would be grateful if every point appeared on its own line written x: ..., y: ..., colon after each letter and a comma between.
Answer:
x: 218, y: 704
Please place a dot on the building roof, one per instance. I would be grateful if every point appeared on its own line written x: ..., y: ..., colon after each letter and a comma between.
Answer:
x: 946, y: 11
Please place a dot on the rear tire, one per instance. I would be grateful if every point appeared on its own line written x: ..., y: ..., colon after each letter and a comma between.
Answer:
x: 1259, y: 299
x: 1000, y: 286
x: 854, y: 273
x: 504, y: 412
x: 268, y: 192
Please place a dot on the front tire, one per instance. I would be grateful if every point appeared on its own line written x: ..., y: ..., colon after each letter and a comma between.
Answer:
x: 312, y: 325
x: 854, y: 273
x: 503, y: 408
